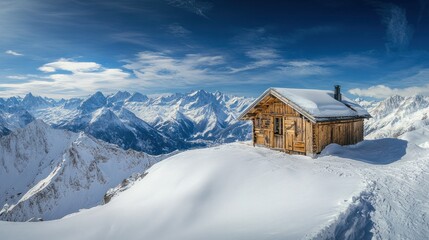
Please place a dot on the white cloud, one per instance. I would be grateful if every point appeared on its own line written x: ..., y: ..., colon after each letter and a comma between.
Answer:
x: 81, y: 79
x: 70, y: 65
x: 152, y: 70
x: 13, y: 53
x: 419, y: 79
x: 382, y: 91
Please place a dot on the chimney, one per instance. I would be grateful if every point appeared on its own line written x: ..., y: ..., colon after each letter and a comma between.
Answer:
x: 337, y: 93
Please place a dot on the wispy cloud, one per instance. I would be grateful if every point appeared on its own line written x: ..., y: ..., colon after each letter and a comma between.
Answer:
x: 304, y: 68
x: 23, y: 19
x: 271, y: 59
x: 423, y: 7
x: 351, y: 60
x: 398, y: 32
x: 70, y: 65
x: 195, y: 6
x: 17, y: 77
x: 155, y: 69
x: 166, y: 70
x: 136, y: 38
x: 13, y: 53
x: 251, y: 38
x: 262, y: 57
x: 178, y: 30
x: 263, y: 53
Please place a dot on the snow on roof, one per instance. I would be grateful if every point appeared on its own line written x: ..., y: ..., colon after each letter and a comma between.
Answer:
x: 318, y: 105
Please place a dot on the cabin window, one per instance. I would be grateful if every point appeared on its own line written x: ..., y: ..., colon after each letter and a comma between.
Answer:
x: 258, y: 122
x: 278, y: 125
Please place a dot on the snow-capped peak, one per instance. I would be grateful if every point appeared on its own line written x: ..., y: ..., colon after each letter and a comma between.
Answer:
x: 137, y: 97
x: 95, y: 101
x: 31, y: 101
x: 396, y: 115
x: 118, y: 97
x: 106, y: 115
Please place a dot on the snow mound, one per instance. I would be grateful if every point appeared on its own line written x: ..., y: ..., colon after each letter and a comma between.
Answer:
x: 229, y: 192
x: 420, y: 137
x: 380, y: 151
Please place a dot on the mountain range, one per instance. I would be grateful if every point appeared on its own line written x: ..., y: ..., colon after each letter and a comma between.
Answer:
x: 154, y: 125
x: 396, y: 115
x: 162, y: 124
x: 54, y: 159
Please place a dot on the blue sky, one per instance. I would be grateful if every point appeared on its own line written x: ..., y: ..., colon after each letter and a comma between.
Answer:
x: 60, y: 48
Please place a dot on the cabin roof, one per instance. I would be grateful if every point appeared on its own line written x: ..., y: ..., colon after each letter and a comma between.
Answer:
x: 316, y: 105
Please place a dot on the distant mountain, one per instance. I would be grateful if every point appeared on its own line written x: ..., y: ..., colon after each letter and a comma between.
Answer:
x: 397, y: 115
x: 198, y: 116
x: 48, y: 173
x: 12, y: 118
x: 137, y: 97
x: 118, y: 97
x: 93, y: 102
x: 163, y: 124
x: 154, y: 125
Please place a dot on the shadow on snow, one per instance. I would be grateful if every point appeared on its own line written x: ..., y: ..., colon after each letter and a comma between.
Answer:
x: 379, y: 151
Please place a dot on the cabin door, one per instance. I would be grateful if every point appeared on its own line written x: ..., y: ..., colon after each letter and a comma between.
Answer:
x: 294, y: 132
x: 278, y: 132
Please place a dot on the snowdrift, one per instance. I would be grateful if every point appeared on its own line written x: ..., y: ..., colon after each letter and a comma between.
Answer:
x: 228, y: 192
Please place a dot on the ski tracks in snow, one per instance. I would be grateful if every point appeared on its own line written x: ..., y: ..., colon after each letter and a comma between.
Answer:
x: 401, y: 194
x: 395, y: 199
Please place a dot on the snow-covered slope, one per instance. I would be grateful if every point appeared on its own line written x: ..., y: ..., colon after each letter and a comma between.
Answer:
x: 47, y: 173
x: 227, y: 192
x: 12, y: 118
x: 397, y: 173
x: 420, y: 137
x: 376, y: 189
x: 397, y: 115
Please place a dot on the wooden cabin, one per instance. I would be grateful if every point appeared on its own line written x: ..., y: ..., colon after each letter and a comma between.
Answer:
x: 304, y: 121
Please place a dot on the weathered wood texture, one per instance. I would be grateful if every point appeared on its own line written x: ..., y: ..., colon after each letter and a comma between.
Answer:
x: 299, y: 135
x: 340, y: 132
